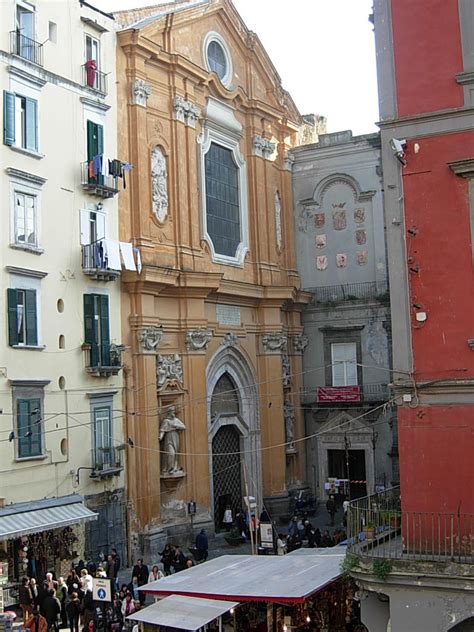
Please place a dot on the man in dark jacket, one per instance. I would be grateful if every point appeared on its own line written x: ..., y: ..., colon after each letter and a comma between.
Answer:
x: 51, y: 610
x: 140, y: 571
x: 202, y: 546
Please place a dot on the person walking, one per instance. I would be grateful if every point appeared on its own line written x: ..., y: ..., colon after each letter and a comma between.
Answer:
x: 73, y: 610
x: 227, y: 519
x: 25, y: 597
x: 37, y: 623
x: 331, y: 508
x: 61, y: 596
x: 51, y: 609
x: 281, y: 544
x: 345, y: 507
x: 202, y: 546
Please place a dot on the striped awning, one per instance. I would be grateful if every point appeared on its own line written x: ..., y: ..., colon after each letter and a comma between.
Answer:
x: 43, y: 515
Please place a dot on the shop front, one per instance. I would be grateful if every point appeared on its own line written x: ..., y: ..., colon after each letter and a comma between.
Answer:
x: 41, y: 536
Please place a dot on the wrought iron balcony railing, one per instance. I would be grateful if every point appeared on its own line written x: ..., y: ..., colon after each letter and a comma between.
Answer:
x: 103, y: 360
x: 106, y: 461
x: 94, y: 262
x: 26, y: 47
x: 378, y: 528
x: 377, y: 290
x: 368, y: 393
x: 94, y: 78
x: 99, y: 185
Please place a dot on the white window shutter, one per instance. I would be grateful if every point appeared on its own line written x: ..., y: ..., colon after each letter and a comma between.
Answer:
x: 100, y: 225
x: 85, y: 228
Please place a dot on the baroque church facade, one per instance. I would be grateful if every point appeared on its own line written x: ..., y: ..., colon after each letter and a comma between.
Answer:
x: 213, y: 375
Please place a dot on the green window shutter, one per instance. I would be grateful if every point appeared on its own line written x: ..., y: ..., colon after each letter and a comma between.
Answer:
x: 91, y: 145
x: 100, y: 139
x: 31, y: 318
x: 12, y: 317
x: 36, y: 428
x: 31, y: 107
x: 8, y: 118
x: 23, y: 425
x: 90, y: 329
x: 104, y: 330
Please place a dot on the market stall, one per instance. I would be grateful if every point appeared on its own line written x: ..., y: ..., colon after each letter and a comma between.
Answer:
x: 183, y: 613
x: 303, y: 591
x: 37, y: 537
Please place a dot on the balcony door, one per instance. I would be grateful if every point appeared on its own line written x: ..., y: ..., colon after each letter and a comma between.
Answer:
x: 25, y: 29
x: 97, y: 329
x: 103, y: 443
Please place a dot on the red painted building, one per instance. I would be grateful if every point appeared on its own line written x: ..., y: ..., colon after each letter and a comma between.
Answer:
x: 425, y: 62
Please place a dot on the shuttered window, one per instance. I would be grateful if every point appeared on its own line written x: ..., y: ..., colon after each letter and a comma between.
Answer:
x: 29, y: 427
x: 22, y: 317
x: 222, y: 200
x: 20, y: 121
x: 97, y: 328
x: 95, y: 140
x: 344, y: 364
x: 25, y: 219
x: 103, y: 443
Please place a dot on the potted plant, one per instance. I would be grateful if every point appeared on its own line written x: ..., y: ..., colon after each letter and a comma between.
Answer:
x: 395, y: 519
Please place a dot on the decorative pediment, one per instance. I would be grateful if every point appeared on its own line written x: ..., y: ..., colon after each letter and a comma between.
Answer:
x: 345, y: 423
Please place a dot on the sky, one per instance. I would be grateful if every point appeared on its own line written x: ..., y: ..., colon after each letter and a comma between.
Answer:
x: 323, y: 51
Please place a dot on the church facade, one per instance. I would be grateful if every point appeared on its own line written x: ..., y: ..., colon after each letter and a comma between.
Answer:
x: 214, y: 368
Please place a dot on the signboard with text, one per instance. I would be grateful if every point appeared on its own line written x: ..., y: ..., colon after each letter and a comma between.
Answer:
x: 101, y: 590
x: 338, y: 394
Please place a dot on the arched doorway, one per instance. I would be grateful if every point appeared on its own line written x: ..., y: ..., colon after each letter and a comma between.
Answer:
x: 226, y: 447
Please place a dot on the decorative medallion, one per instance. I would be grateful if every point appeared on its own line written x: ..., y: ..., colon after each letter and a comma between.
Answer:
x: 359, y: 215
x: 159, y: 184
x: 149, y: 338
x: 361, y: 237
x: 321, y: 262
x: 339, y: 220
x: 341, y: 260
x: 320, y: 241
x: 362, y: 257
x: 198, y: 339
x: 300, y: 342
x: 319, y: 220
x: 169, y: 371
x: 274, y: 341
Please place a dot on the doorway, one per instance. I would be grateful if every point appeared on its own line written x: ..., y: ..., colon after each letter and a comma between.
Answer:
x: 226, y: 474
x: 354, y: 470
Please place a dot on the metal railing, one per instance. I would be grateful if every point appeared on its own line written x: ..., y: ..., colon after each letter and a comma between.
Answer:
x: 93, y: 78
x: 26, y: 47
x: 368, y: 393
x: 103, y: 186
x: 106, y: 458
x: 378, y: 528
x: 104, y: 358
x: 377, y: 290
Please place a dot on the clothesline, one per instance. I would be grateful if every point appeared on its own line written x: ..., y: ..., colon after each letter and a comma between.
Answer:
x: 100, y: 165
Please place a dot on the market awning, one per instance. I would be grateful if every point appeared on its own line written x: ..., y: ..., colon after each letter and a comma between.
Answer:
x: 183, y: 613
x: 43, y: 515
x: 278, y: 578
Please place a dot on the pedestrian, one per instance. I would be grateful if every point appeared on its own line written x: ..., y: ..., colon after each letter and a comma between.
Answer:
x: 86, y: 581
x: 293, y: 527
x: 202, y: 546
x: 140, y: 571
x: 51, y: 583
x: 61, y: 596
x: 73, y: 610
x: 128, y: 606
x: 133, y: 588
x: 51, y: 610
x: 227, y: 519
x: 167, y: 557
x: 111, y: 570
x: 281, y: 544
x: 25, y: 597
x: 34, y: 591
x: 37, y: 623
x: 345, y: 507
x: 331, y: 508
x: 116, y: 558
x: 88, y: 610
x: 179, y: 562
x: 155, y: 574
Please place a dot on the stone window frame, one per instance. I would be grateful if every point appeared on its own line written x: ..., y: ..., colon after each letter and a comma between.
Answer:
x: 213, y: 36
x: 29, y: 389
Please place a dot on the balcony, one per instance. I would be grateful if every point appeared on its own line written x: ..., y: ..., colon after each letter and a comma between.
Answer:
x: 99, y: 185
x: 94, y: 78
x: 95, y: 262
x: 106, y: 461
x: 26, y: 48
x: 334, y: 294
x: 346, y: 394
x: 103, y: 360
x: 379, y: 529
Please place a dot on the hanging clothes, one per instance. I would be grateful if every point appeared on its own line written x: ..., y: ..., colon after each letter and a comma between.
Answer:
x: 127, y: 256
x: 112, y: 251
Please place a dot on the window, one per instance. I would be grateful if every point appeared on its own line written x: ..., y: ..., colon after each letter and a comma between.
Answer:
x: 92, y: 50
x: 22, y: 317
x: 96, y: 329
x: 25, y: 219
x: 25, y: 33
x: 92, y: 227
x: 216, y: 59
x: 102, y: 437
x: 29, y: 427
x: 222, y: 200
x: 344, y: 364
x: 95, y: 140
x: 20, y: 121
x: 225, y: 398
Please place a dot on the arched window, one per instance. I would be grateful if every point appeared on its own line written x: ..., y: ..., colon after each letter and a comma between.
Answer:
x: 225, y: 398
x: 216, y: 59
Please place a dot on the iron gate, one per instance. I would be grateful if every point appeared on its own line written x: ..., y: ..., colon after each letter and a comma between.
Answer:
x: 226, y: 474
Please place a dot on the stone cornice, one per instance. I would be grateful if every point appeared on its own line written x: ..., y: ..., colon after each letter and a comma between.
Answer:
x: 25, y: 176
x: 463, y: 168
x: 35, y: 274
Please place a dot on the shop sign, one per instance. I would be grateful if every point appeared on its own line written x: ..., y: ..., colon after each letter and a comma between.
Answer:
x: 101, y: 589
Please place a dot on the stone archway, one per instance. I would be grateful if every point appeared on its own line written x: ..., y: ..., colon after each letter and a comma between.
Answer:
x: 233, y: 426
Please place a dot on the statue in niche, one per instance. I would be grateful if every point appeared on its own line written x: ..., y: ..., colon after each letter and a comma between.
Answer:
x: 170, y: 428
x: 159, y: 184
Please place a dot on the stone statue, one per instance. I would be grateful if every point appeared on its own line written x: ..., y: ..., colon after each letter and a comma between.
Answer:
x: 170, y: 428
x: 289, y: 416
x: 159, y: 184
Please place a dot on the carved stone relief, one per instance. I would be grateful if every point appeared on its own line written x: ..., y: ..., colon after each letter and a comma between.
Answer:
x: 140, y: 92
x: 169, y: 371
x: 288, y: 162
x: 149, y: 338
x: 278, y: 229
x: 289, y: 416
x: 300, y: 342
x: 198, y: 339
x: 262, y: 147
x: 286, y: 370
x: 159, y: 184
x: 230, y: 340
x: 274, y: 342
x: 185, y: 111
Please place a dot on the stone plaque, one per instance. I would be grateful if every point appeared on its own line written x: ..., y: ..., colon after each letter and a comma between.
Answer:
x: 228, y: 315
